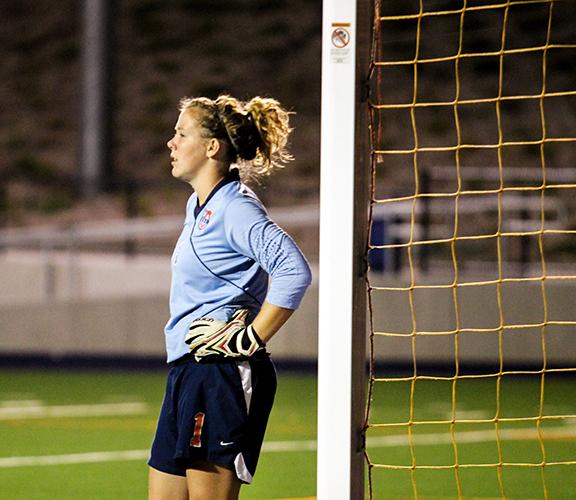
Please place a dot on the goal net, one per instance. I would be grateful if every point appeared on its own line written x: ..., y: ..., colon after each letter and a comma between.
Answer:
x: 471, y: 280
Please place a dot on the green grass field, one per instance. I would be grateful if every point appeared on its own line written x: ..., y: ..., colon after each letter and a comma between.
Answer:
x: 84, y: 435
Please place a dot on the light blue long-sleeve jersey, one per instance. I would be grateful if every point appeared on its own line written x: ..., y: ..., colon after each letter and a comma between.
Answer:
x: 224, y: 257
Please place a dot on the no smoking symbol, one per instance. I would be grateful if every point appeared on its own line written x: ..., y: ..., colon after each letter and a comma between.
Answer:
x: 340, y: 38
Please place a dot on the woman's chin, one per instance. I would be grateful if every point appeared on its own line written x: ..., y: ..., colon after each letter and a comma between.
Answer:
x: 181, y: 176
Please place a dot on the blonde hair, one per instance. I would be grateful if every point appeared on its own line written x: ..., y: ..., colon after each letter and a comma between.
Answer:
x: 256, y: 131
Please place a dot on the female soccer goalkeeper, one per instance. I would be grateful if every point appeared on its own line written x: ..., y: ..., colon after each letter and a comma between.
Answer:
x: 236, y: 278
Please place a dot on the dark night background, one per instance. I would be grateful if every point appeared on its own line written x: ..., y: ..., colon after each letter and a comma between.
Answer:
x: 162, y: 51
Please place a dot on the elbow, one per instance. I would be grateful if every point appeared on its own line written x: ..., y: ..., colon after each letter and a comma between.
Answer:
x: 306, y: 276
x: 301, y: 275
x: 303, y: 281
x: 289, y: 290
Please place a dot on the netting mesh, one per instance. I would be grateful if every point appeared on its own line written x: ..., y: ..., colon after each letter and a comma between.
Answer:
x: 472, y: 132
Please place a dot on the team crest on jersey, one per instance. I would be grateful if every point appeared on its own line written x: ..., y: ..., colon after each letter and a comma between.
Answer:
x: 205, y: 220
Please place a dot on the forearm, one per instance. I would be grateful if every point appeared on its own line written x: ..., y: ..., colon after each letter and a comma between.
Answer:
x: 269, y: 320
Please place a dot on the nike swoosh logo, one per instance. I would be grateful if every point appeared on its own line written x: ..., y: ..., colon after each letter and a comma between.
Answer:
x: 222, y: 443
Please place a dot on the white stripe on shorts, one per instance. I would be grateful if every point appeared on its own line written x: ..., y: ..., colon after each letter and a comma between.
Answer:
x: 246, y: 377
x: 241, y: 470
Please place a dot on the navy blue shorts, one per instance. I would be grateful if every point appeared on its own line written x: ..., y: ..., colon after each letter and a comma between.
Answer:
x: 214, y: 412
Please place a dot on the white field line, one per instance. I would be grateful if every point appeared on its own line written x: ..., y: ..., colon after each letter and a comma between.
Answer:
x: 97, y: 410
x: 75, y: 458
x: 307, y: 445
x: 566, y: 432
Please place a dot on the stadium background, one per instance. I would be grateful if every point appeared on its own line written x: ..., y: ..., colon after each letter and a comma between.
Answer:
x: 79, y: 287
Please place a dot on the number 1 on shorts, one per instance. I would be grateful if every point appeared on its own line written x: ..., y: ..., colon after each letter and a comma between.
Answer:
x: 196, y: 440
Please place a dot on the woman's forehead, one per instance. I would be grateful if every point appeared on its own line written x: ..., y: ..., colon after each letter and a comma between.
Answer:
x: 186, y: 119
x: 192, y: 120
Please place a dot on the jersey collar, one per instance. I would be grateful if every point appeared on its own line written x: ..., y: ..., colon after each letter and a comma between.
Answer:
x: 233, y: 175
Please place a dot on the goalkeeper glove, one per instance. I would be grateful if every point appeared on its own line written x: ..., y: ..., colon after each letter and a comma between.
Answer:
x: 209, y: 338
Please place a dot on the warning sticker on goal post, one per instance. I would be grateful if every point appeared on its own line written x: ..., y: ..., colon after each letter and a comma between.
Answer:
x: 340, y: 36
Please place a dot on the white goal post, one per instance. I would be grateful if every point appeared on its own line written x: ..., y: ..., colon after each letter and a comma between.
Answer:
x: 343, y: 233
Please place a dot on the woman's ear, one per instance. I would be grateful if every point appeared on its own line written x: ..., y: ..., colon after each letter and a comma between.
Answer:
x: 213, y: 147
